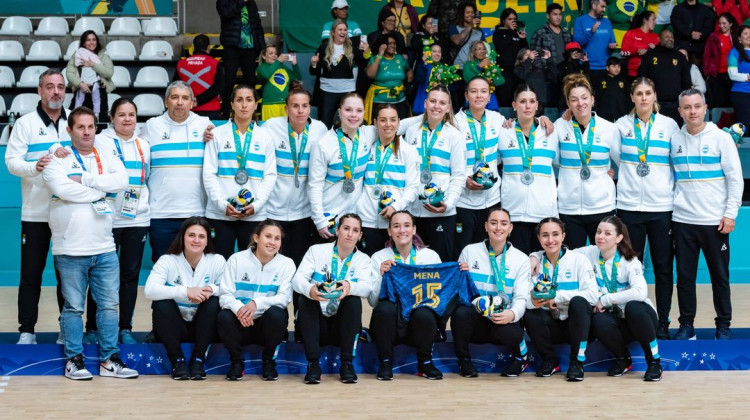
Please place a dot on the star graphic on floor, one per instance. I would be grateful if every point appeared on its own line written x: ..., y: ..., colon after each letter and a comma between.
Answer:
x: 684, y: 355
x: 705, y: 354
x: 701, y: 361
x: 712, y: 356
x: 131, y: 356
x: 677, y: 364
x: 148, y: 365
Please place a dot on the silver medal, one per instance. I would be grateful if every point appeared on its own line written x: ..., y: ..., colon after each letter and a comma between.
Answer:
x: 585, y: 172
x: 527, y: 178
x: 642, y: 169
x: 348, y: 186
x: 332, y: 307
x: 376, y: 191
x: 425, y: 177
x: 240, y: 177
x: 296, y: 180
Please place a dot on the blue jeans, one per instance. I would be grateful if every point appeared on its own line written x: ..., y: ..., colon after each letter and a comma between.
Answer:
x: 100, y: 273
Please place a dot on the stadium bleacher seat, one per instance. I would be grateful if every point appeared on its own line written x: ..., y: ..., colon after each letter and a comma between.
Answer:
x: 4, y: 136
x: 716, y: 113
x: 552, y: 113
x: 121, y: 77
x: 507, y: 112
x: 52, y: 26
x: 156, y: 50
x: 68, y: 100
x: 16, y: 25
x: 111, y: 98
x: 7, y: 79
x: 151, y: 76
x: 160, y: 26
x: 149, y: 104
x: 85, y: 23
x: 125, y: 26
x: 144, y: 23
x: 2, y: 106
x: 30, y: 76
x: 44, y: 50
x: 72, y: 47
x: 11, y: 50
x: 121, y: 50
x: 24, y: 103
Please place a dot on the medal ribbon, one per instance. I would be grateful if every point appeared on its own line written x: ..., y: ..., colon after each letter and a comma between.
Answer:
x: 297, y: 156
x: 242, y: 156
x: 412, y: 256
x: 499, y: 273
x: 140, y: 153
x: 526, y: 150
x: 584, y: 152
x: 640, y: 141
x: 347, y: 162
x: 380, y: 164
x: 610, y: 281
x: 427, y: 149
x: 96, y: 156
x: 340, y: 275
x: 479, y: 141
x: 545, y: 267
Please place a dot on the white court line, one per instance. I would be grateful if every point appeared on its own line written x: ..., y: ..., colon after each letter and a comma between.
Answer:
x: 6, y: 378
x: 3, y: 384
x: 1, y: 390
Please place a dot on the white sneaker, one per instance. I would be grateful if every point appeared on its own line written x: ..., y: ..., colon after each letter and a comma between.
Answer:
x: 27, y: 338
x: 115, y: 368
x: 76, y: 370
x: 60, y: 339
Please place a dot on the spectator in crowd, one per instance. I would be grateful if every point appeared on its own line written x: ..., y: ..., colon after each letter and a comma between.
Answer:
x: 739, y: 72
x: 205, y: 76
x: 464, y: 33
x: 479, y: 62
x: 83, y: 245
x: 508, y: 40
x: 715, y: 59
x: 638, y: 41
x: 423, y: 39
x: 692, y: 22
x: 422, y: 76
x: 594, y: 33
x: 696, y: 78
x: 553, y: 38
x: 27, y: 155
x: 340, y: 11
x: 89, y: 74
x: 389, y: 72
x: 242, y: 38
x: 739, y: 9
x: 670, y: 72
x: 335, y: 64
x: 622, y: 15
x: 387, y: 26
x: 575, y: 62
x: 276, y: 77
x: 532, y: 69
x: 407, y: 19
x: 611, y: 93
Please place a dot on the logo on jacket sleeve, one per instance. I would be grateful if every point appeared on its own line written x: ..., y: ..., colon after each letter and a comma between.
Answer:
x: 227, y: 145
x: 679, y: 149
x: 178, y: 280
x: 475, y: 266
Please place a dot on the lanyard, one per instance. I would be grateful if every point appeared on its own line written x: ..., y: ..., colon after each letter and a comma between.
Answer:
x: 499, y: 273
x: 96, y: 156
x: 340, y: 275
x: 610, y: 281
x: 479, y: 141
x: 140, y: 152
x: 584, y: 152
x: 242, y: 155
x: 640, y: 141
x: 427, y: 149
x: 526, y: 150
x: 352, y: 159
x: 380, y: 164
x: 412, y: 256
x: 545, y: 267
x: 297, y: 156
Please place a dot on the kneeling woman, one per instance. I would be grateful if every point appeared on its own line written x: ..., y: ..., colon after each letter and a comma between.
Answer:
x: 406, y: 247
x: 255, y: 291
x: 183, y: 285
x: 498, y: 270
x: 563, y: 314
x: 623, y: 313
x: 331, y: 279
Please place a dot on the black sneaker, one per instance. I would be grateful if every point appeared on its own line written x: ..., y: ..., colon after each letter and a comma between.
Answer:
x: 197, y: 370
x: 346, y: 373
x: 662, y: 332
x: 549, y: 367
x: 686, y: 332
x: 314, y: 372
x: 236, y: 371
x: 150, y: 337
x: 619, y: 366
x: 514, y: 368
x: 269, y: 370
x: 180, y: 370
x: 385, y: 370
x: 723, y: 333
x: 466, y: 368
x: 653, y: 371
x: 575, y: 371
x: 428, y: 370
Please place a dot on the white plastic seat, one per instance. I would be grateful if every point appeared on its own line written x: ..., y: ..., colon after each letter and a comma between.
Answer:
x: 30, y: 76
x: 72, y: 47
x: 44, y: 50
x: 111, y: 98
x: 11, y: 51
x: 86, y: 23
x: 151, y: 76
x: 125, y: 26
x: 121, y: 77
x: 2, y: 106
x: 52, y: 26
x: 7, y: 79
x: 156, y: 50
x: 68, y: 100
x: 149, y: 104
x: 24, y: 103
x: 121, y: 50
x: 16, y: 25
x: 144, y: 23
x: 160, y: 26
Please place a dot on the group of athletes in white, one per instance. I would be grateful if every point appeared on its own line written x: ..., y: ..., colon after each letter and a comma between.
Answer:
x: 350, y: 201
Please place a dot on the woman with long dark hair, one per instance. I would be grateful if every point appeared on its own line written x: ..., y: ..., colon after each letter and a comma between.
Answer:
x: 89, y: 74
x: 739, y: 73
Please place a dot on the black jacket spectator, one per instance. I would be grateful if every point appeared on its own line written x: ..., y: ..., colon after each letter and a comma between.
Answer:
x: 612, y: 99
x: 507, y: 45
x: 670, y: 71
x: 231, y: 23
x: 687, y: 18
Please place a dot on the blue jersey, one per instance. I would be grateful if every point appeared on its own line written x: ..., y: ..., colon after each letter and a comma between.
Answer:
x: 433, y: 286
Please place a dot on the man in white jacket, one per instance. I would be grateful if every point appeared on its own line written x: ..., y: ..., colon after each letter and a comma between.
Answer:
x: 707, y: 198
x: 84, y: 185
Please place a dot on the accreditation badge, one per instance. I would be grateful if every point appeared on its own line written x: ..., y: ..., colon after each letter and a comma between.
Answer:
x: 101, y: 206
x: 129, y: 204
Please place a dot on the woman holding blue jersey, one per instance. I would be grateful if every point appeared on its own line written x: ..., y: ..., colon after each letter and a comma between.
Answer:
x: 406, y: 247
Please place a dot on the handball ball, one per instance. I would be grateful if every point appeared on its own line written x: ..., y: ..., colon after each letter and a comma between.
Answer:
x: 483, y: 305
x: 386, y: 199
x: 738, y: 129
x: 430, y: 189
x: 244, y: 197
